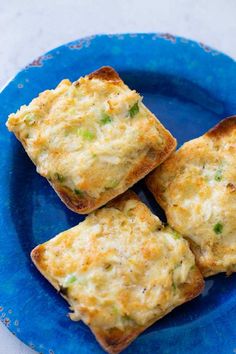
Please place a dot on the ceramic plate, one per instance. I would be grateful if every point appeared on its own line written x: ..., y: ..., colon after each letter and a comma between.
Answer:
x: 190, y: 87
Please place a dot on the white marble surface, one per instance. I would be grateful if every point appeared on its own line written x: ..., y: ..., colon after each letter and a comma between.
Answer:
x: 29, y: 27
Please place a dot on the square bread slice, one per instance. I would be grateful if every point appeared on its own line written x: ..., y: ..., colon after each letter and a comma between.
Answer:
x: 92, y: 139
x: 120, y: 270
x: 196, y: 187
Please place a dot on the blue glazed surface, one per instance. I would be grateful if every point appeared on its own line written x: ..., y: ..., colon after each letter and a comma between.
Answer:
x: 190, y: 87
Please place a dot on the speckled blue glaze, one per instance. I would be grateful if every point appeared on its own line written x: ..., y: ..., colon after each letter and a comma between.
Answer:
x: 190, y: 87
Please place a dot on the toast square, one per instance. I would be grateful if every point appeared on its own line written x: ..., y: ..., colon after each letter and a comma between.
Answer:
x: 120, y: 270
x: 92, y: 139
x: 196, y: 187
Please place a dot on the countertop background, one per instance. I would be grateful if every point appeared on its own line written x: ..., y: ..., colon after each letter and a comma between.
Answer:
x: 29, y: 28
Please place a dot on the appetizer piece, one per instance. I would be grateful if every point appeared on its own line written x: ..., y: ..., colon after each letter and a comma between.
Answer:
x: 196, y: 187
x: 120, y: 270
x: 92, y: 139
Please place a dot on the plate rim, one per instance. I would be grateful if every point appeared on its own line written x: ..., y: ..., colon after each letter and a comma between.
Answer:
x: 166, y: 35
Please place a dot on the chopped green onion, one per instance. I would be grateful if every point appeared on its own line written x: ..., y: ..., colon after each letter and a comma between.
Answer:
x: 176, y: 235
x: 115, y: 310
x: 218, y: 228
x: 218, y: 175
x: 86, y: 134
x: 78, y: 192
x: 174, y: 287
x: 29, y: 119
x: 72, y: 111
x: 112, y: 184
x: 177, y: 266
x: 59, y: 177
x: 105, y: 119
x: 134, y: 110
x: 70, y: 279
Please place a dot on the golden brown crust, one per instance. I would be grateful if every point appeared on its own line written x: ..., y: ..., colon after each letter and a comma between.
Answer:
x: 151, y: 160
x: 79, y: 204
x: 209, y: 267
x: 167, y: 153
x: 196, y: 199
x: 195, y: 285
x: 92, y: 191
x: 223, y: 128
x: 122, y: 198
x: 85, y: 204
x: 37, y: 255
x: 115, y: 340
x: 105, y: 73
x: 154, y: 188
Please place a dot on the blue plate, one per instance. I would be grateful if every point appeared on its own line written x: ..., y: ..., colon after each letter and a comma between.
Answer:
x: 190, y: 87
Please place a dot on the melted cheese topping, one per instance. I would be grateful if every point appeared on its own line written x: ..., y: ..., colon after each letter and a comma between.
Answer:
x: 87, y: 135
x: 197, y: 188
x: 120, y: 267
